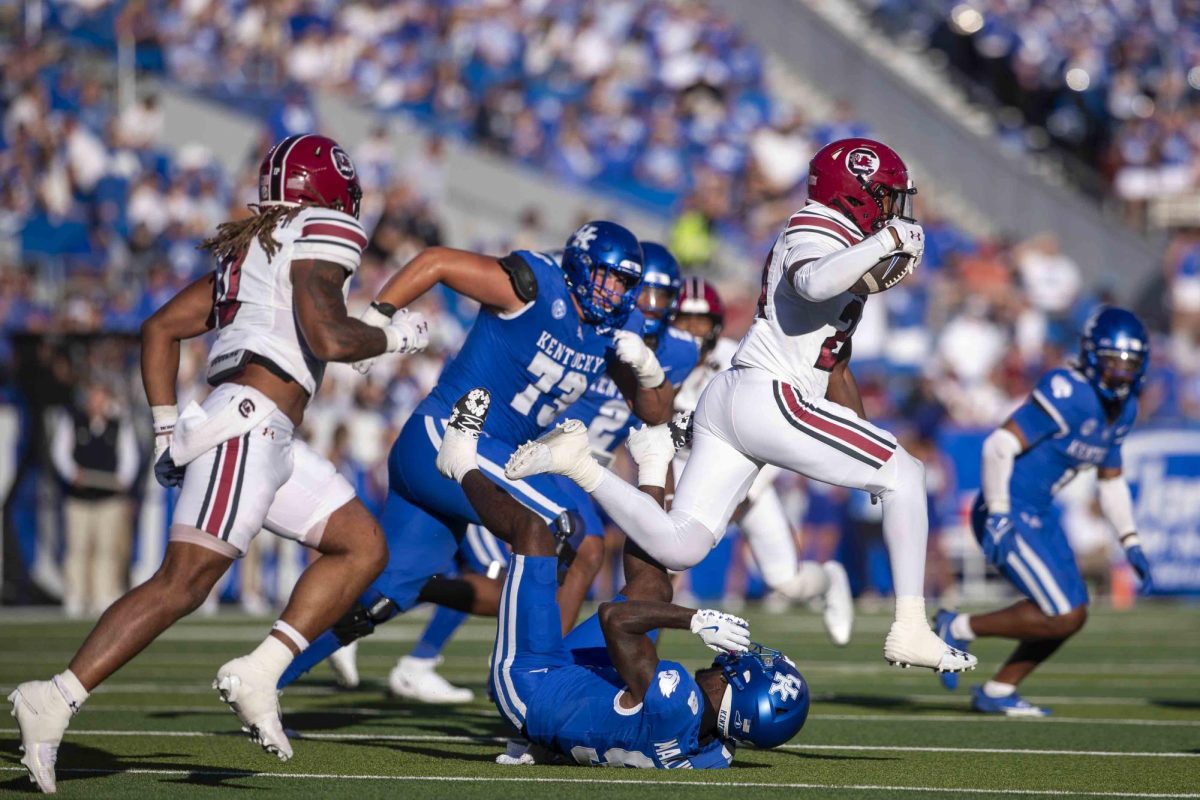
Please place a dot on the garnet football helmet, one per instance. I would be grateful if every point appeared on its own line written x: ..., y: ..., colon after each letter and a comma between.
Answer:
x: 309, y: 168
x: 698, y: 296
x: 863, y: 179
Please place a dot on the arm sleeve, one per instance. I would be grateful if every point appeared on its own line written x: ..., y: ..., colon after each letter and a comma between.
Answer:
x: 1116, y: 503
x: 327, y: 235
x: 62, y: 448
x: 1000, y: 450
x: 833, y: 273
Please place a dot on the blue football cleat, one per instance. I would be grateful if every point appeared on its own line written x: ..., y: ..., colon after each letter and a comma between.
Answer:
x: 1012, y: 706
x: 941, y: 624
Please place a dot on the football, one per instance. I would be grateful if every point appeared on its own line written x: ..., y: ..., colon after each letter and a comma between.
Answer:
x: 886, y: 273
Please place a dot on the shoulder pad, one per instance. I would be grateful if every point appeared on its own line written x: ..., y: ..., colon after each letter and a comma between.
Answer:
x: 524, y: 282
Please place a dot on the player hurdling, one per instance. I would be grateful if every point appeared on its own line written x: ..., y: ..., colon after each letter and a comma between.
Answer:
x: 790, y: 399
x: 277, y: 301
x: 652, y: 713
x: 1076, y: 419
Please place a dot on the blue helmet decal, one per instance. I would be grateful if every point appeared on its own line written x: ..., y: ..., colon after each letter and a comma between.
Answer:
x: 595, y: 253
x: 766, y: 702
x: 1115, y: 338
x: 661, y: 272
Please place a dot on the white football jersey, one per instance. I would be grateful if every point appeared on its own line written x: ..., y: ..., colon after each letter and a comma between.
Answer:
x: 797, y: 340
x: 253, y: 303
x: 715, y: 362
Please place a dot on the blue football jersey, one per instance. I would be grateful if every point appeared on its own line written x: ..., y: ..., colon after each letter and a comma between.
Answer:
x: 605, y: 411
x: 536, y: 361
x: 1067, y: 429
x: 575, y: 712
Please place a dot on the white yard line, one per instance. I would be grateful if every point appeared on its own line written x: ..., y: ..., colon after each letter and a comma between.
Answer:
x: 184, y: 773
x: 398, y: 737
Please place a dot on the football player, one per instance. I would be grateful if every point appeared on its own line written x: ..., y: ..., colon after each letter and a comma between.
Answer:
x: 761, y: 516
x: 653, y: 713
x: 609, y: 419
x: 791, y: 400
x: 277, y: 303
x: 1075, y: 419
x: 544, y: 333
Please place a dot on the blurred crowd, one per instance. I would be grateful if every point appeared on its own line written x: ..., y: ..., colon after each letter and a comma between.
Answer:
x: 100, y: 218
x: 1115, y: 82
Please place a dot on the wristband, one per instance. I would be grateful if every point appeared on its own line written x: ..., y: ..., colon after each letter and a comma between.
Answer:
x: 1130, y: 539
x: 164, y: 416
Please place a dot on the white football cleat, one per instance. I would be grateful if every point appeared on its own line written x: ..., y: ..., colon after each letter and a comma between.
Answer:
x: 915, y: 645
x: 250, y: 691
x: 42, y: 715
x: 563, y: 450
x: 344, y: 663
x: 417, y: 679
x: 839, y: 604
x: 457, y: 452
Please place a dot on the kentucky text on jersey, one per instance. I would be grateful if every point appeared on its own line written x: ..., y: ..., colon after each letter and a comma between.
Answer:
x: 567, y: 356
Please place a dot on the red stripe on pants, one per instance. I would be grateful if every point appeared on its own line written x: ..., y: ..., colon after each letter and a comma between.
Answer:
x: 827, y: 426
x: 216, y: 517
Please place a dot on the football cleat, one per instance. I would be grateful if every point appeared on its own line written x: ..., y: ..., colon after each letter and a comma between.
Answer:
x: 344, y: 663
x: 1011, y: 706
x: 42, y: 716
x: 941, y: 624
x: 456, y: 455
x: 563, y: 450
x: 417, y: 679
x: 252, y: 695
x: 917, y: 646
x: 839, y: 604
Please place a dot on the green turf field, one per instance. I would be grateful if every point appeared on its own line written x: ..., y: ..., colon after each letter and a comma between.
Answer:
x: 1126, y: 697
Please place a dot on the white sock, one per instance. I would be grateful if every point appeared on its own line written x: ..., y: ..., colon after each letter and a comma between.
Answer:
x: 906, y: 523
x: 273, y: 656
x: 810, y: 581
x: 960, y: 628
x: 71, y: 690
x: 997, y: 689
x: 457, y: 455
x: 911, y: 611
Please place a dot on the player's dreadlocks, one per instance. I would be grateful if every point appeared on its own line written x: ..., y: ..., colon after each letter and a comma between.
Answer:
x: 233, y: 238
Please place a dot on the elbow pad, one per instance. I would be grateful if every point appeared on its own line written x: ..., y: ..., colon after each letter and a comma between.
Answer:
x: 520, y: 274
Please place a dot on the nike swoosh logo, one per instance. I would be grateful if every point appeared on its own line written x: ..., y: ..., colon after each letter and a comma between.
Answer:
x: 710, y: 628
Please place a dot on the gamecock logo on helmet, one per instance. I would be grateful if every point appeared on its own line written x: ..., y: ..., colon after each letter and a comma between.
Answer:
x: 862, y: 162
x: 342, y: 163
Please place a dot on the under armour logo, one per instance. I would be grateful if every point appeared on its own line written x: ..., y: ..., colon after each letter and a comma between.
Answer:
x: 786, y: 686
x: 584, y: 237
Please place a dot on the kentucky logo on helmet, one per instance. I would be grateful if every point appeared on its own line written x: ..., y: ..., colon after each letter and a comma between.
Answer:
x: 862, y: 162
x: 584, y: 237
x: 786, y: 686
x: 342, y: 162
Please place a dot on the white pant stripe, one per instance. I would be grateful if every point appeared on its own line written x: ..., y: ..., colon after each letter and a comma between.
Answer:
x: 498, y: 655
x: 1045, y: 575
x: 1038, y: 596
x: 475, y: 541
x: 518, y: 569
x: 492, y: 544
x: 528, y: 496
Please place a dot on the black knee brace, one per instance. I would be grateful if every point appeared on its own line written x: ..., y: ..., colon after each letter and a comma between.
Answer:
x: 360, y: 620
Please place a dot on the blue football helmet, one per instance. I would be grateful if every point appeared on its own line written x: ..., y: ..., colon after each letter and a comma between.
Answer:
x: 766, y: 702
x: 661, y: 281
x: 1115, y: 352
x: 595, y: 253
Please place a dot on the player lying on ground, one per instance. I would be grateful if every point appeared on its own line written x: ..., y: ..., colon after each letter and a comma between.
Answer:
x: 791, y: 400
x: 1075, y: 420
x: 761, y: 516
x: 545, y: 331
x: 277, y: 302
x: 657, y: 715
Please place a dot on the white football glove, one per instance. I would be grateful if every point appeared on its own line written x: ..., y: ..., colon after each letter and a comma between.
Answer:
x: 722, y: 632
x: 633, y: 351
x: 406, y: 331
x: 165, y: 471
x: 911, y: 236
x: 652, y: 450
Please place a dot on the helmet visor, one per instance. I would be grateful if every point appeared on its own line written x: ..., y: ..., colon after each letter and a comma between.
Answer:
x: 656, y: 302
x: 1120, y: 369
